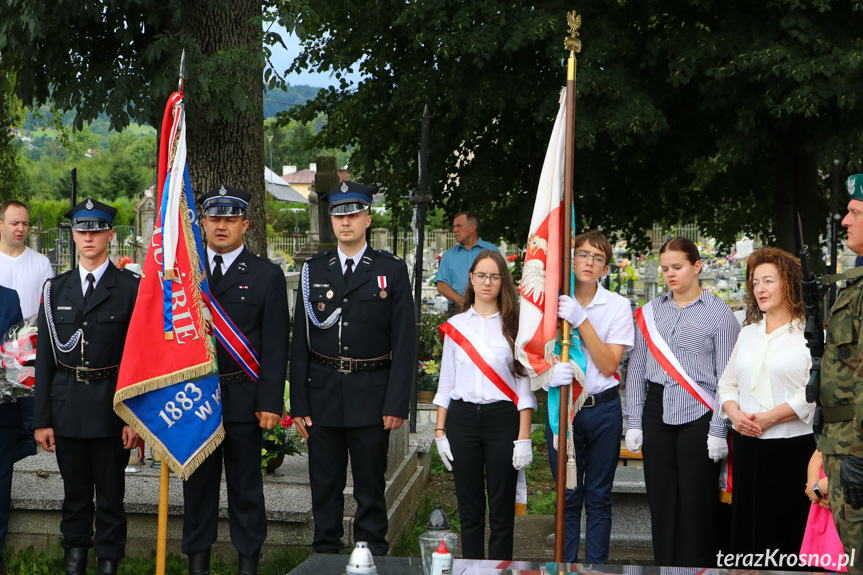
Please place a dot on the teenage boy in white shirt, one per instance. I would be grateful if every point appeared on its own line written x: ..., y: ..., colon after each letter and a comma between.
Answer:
x: 605, y: 325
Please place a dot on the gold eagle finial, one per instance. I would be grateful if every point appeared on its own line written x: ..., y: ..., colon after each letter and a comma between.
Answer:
x: 571, y: 42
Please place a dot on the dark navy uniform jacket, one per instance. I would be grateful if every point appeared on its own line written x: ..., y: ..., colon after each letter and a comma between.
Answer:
x: 74, y: 408
x: 254, y: 295
x: 377, y: 319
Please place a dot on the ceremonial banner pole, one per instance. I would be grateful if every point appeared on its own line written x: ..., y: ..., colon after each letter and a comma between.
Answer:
x: 573, y: 44
x: 162, y: 527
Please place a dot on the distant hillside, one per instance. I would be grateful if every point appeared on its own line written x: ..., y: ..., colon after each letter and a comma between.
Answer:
x: 276, y: 101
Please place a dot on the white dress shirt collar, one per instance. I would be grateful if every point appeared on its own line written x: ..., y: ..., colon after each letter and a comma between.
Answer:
x: 356, y: 257
x: 227, y: 259
x: 97, y: 273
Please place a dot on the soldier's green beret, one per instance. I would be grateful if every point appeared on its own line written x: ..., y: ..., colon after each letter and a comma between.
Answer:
x: 854, y: 184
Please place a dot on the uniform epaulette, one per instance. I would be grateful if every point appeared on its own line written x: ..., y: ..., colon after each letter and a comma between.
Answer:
x: 319, y: 255
x: 58, y: 276
x: 387, y: 254
x: 135, y: 275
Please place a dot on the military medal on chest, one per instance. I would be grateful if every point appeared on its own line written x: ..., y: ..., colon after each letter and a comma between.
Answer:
x: 382, y: 283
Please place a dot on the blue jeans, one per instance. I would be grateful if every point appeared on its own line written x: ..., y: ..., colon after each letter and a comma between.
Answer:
x: 596, y: 432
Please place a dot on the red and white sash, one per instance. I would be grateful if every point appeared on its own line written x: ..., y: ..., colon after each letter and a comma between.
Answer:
x: 477, y: 351
x: 667, y: 360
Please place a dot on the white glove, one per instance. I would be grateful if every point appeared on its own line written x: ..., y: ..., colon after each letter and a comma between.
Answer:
x: 561, y: 374
x: 634, y: 440
x: 570, y: 310
x: 717, y: 448
x: 522, y: 453
x: 444, y: 451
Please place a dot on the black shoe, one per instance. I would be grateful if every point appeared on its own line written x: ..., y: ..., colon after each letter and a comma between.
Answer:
x: 75, y: 561
x: 108, y: 567
x: 249, y: 565
x: 199, y: 563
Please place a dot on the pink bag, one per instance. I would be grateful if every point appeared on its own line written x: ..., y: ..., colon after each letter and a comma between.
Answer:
x: 821, y: 539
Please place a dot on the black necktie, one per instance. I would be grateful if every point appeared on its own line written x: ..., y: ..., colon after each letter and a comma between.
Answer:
x: 92, y: 281
x: 349, y: 270
x: 216, y: 276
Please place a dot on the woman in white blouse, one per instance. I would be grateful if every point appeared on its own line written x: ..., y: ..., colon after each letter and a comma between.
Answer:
x: 763, y: 393
x: 484, y: 409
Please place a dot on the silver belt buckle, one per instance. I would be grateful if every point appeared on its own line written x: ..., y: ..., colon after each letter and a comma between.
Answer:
x: 78, y: 371
x: 345, y: 361
x: 589, y: 401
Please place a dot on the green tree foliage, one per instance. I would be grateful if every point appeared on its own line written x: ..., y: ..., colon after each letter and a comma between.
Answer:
x: 121, y: 168
x: 293, y: 143
x: 696, y: 110
x: 122, y: 59
x: 10, y: 169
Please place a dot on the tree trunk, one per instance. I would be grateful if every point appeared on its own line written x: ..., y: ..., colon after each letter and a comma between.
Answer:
x: 230, y: 150
x: 796, y: 194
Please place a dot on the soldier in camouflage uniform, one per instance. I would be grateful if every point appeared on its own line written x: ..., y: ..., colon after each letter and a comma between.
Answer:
x: 842, y: 394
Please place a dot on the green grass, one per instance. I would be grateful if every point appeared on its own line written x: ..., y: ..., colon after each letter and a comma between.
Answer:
x: 50, y: 562
x: 543, y: 504
x: 408, y: 544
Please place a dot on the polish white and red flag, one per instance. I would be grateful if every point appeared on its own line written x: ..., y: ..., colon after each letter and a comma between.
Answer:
x: 542, y: 274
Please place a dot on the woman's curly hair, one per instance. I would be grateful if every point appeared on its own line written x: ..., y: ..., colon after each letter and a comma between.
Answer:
x: 790, y: 277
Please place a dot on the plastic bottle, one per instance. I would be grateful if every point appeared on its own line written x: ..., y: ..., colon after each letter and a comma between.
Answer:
x: 441, y: 560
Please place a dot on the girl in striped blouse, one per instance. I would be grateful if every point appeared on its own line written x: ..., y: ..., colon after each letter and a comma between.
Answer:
x: 671, y: 408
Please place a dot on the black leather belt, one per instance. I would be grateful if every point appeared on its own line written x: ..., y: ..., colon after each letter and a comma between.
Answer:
x: 236, y: 377
x: 86, y: 374
x: 349, y: 364
x: 607, y: 395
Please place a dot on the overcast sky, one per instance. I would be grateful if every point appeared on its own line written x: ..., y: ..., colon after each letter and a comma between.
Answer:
x: 282, y: 59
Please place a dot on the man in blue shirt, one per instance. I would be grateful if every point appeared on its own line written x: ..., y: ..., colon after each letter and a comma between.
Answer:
x: 452, y: 275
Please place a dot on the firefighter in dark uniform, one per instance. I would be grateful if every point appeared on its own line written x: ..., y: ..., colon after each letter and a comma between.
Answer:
x: 83, y: 320
x: 252, y: 292
x: 10, y: 420
x: 353, y: 356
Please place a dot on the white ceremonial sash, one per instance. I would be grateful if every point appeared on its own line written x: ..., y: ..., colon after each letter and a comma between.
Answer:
x: 666, y: 358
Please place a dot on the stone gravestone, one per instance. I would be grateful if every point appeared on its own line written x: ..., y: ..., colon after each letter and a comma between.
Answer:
x: 651, y: 281
x: 321, y: 236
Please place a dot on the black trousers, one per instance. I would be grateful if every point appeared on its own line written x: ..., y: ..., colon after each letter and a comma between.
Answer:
x: 769, y: 509
x: 88, y: 466
x: 329, y: 448
x: 682, y: 487
x: 247, y: 515
x: 481, y: 439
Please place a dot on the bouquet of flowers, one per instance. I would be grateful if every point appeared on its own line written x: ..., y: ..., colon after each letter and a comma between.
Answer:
x: 18, y: 360
x: 280, y: 441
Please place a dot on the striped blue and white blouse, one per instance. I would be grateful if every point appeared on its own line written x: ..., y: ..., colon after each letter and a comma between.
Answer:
x: 702, y: 337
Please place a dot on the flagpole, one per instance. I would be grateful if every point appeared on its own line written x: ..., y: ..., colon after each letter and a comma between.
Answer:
x: 573, y: 45
x: 162, y: 529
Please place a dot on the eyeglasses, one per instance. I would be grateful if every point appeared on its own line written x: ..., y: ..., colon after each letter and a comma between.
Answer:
x: 482, y: 276
x: 585, y: 256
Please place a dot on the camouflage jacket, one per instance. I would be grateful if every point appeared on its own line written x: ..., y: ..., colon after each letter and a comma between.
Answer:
x: 842, y: 372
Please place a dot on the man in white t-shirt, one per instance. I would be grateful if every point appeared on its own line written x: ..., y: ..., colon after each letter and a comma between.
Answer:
x: 21, y: 269
x: 606, y: 330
